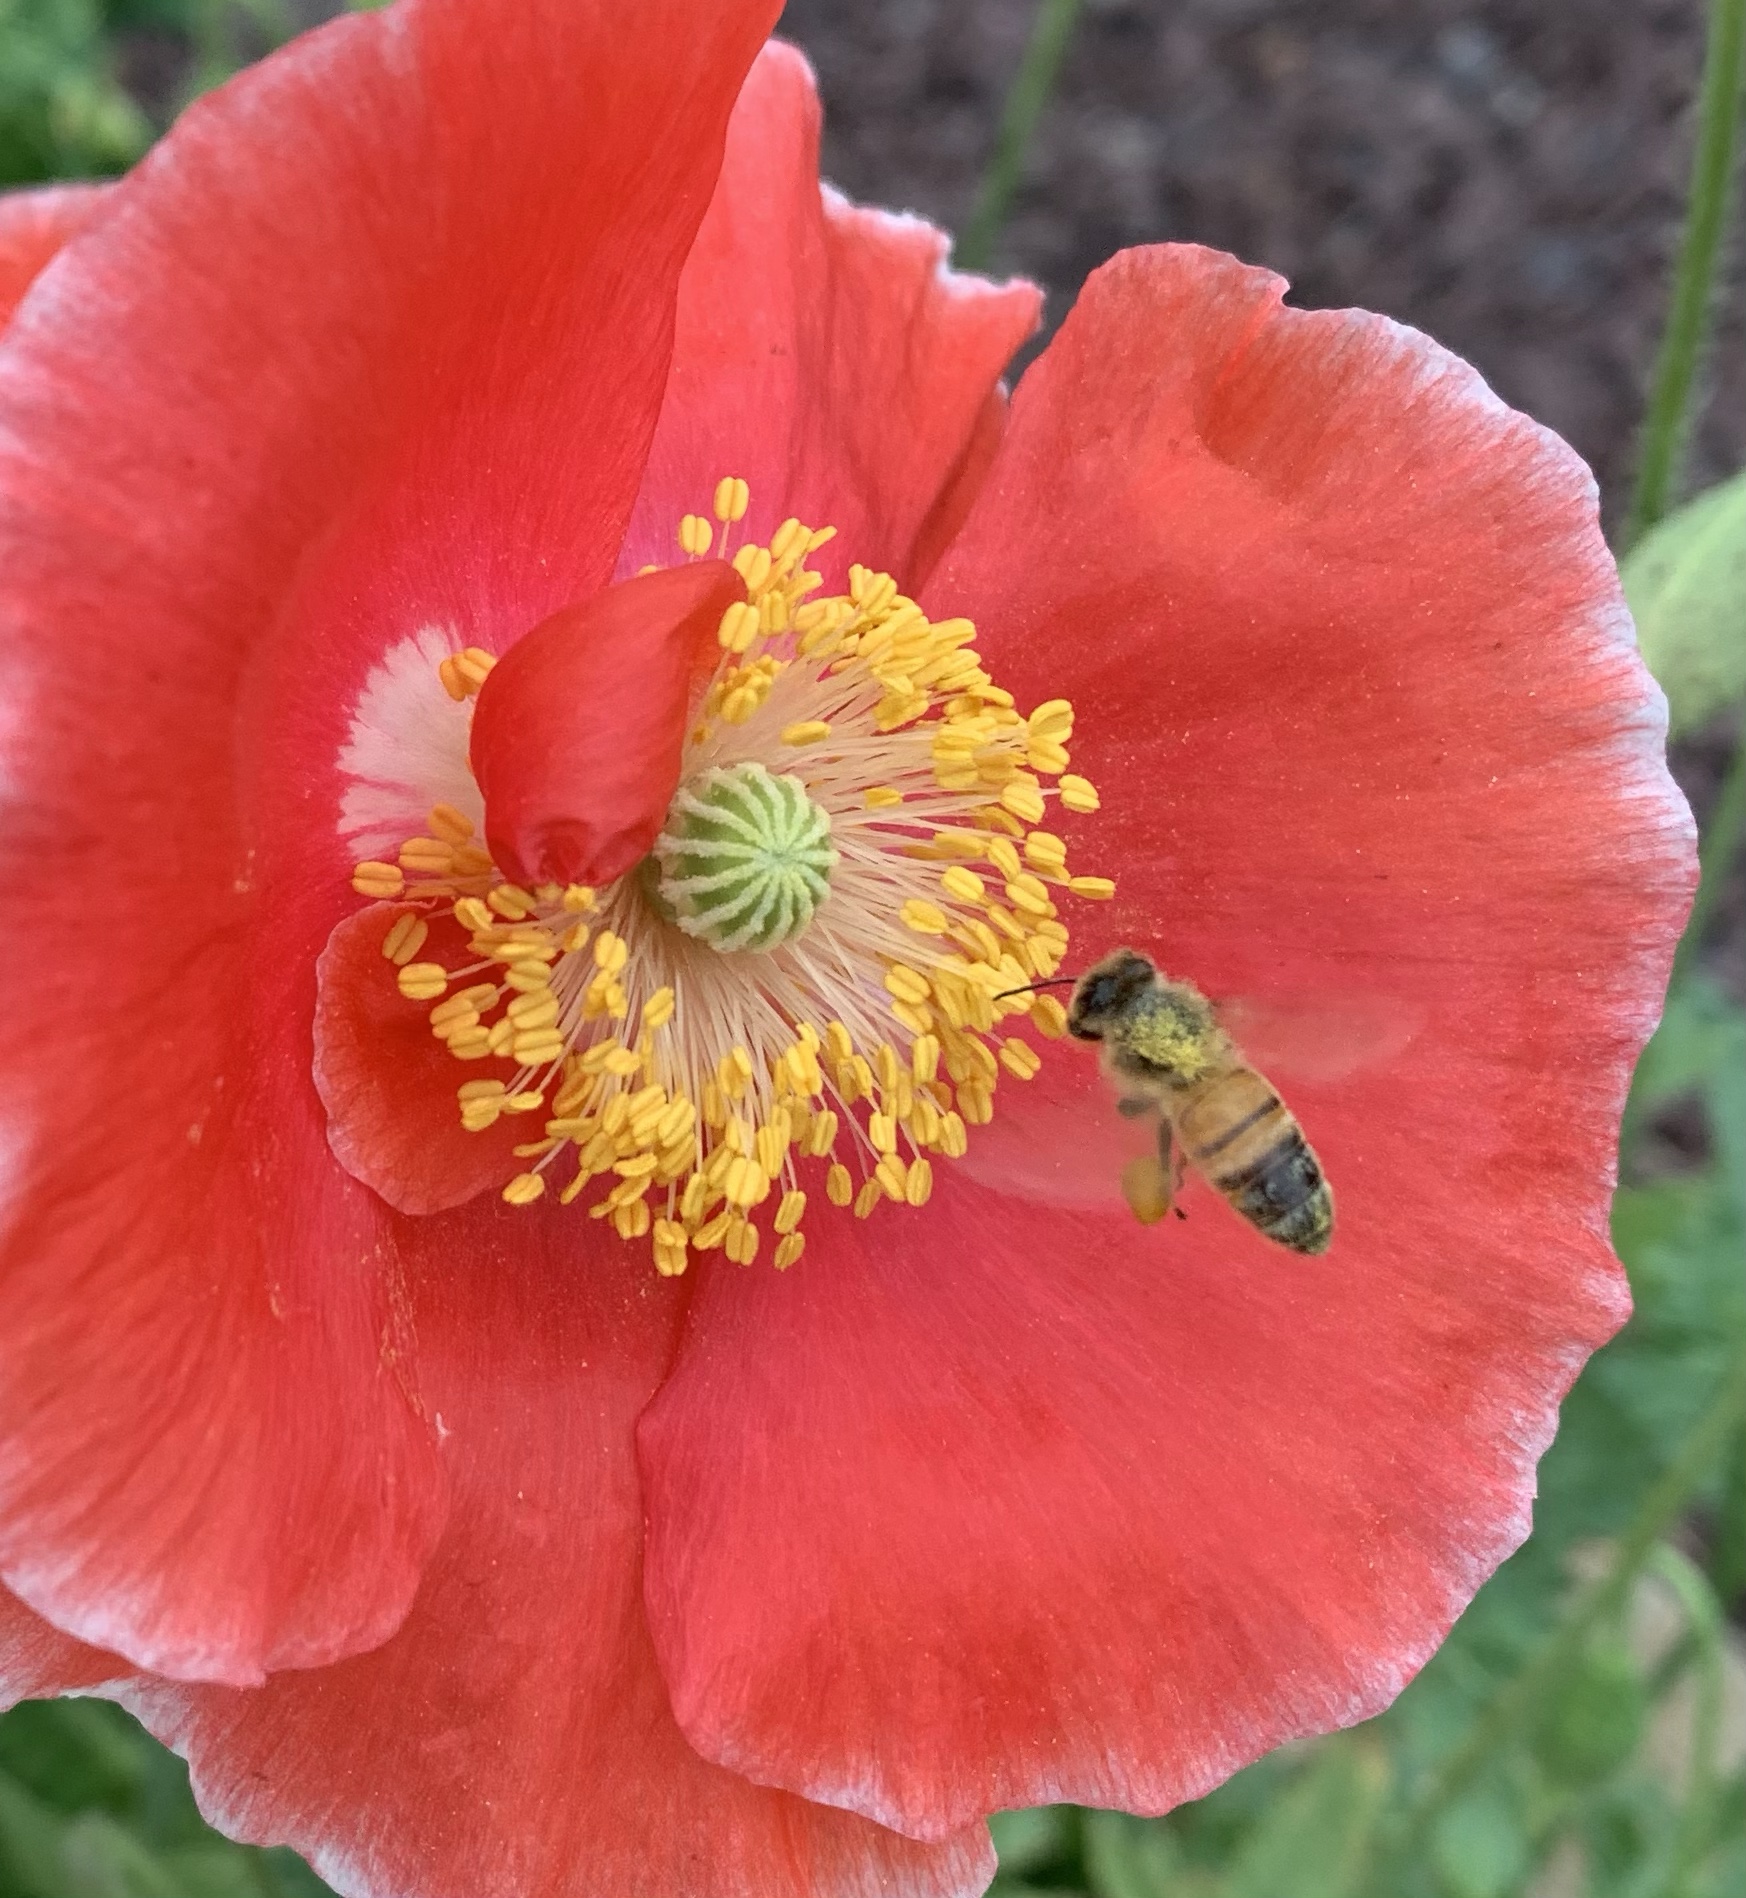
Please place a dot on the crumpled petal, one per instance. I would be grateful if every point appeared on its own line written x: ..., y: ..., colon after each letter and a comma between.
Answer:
x: 1129, y: 1506
x: 824, y: 351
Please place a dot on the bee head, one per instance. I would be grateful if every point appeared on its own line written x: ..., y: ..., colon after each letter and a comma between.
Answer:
x: 1106, y: 991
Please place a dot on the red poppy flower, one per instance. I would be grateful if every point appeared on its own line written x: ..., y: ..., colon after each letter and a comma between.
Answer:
x: 411, y: 1426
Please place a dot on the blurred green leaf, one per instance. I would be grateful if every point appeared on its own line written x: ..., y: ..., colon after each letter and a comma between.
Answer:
x: 1026, y: 1840
x: 1686, y: 584
x: 1131, y: 1858
x: 1592, y: 1721
x: 1480, y: 1843
x: 1315, y: 1841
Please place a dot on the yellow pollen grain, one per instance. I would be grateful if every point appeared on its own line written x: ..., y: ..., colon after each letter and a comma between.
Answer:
x: 881, y: 797
x: 805, y: 731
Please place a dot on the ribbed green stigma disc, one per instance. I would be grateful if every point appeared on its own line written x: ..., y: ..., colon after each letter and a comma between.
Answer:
x: 745, y: 859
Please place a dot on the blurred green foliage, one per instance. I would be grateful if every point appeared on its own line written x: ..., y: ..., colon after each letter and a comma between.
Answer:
x: 1556, y: 1746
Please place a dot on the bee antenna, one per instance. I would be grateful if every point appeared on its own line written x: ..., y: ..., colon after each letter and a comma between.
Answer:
x: 1060, y: 982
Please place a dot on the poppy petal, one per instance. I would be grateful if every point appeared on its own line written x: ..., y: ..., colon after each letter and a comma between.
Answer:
x: 513, y: 1740
x: 33, y: 227
x: 1133, y: 1505
x: 824, y: 351
x: 417, y: 395
x: 38, y: 1662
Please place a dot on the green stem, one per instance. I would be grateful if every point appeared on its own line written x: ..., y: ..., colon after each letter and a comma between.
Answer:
x: 1024, y: 106
x: 1688, y: 317
x: 1703, y: 1616
x: 1660, y: 1508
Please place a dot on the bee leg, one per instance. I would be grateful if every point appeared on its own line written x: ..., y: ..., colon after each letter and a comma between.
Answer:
x: 1174, y: 1163
x: 1132, y: 1106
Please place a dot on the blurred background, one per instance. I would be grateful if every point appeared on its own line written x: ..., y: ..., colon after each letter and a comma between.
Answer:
x: 1510, y: 176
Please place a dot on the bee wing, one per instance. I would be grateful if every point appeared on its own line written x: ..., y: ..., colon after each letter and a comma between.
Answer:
x: 1321, y: 1036
x: 1068, y: 1145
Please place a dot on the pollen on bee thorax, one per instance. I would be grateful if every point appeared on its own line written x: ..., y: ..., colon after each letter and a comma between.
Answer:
x: 805, y: 985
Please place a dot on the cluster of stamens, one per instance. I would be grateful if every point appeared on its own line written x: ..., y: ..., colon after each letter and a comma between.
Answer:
x: 684, y: 1083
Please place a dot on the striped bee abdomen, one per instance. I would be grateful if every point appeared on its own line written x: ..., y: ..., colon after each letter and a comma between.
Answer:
x: 1242, y: 1139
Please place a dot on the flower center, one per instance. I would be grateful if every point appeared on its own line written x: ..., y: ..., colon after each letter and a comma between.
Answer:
x: 810, y: 969
x: 745, y: 858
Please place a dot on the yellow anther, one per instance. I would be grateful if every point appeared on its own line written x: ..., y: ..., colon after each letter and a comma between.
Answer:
x: 576, y: 898
x: 405, y: 938
x: 1099, y: 889
x: 381, y: 882
x: 658, y: 1009
x: 821, y: 1135
x: 746, y: 1184
x: 451, y: 825
x: 753, y: 565
x: 1028, y: 894
x: 924, y: 1057
x: 805, y: 731
x: 919, y: 1185
x: 427, y: 856
x: 1045, y: 852
x: 739, y: 626
x: 423, y: 981
x: 790, y: 1212
x: 510, y: 902
x: 907, y: 984
x: 882, y: 1133
x: 892, y: 1175
x: 1052, y: 719
x: 742, y: 1242
x: 630, y: 1220
x: 954, y: 1139
x: 1077, y: 794
x: 732, y: 498
x: 770, y: 1145
x: 696, y: 533
x: 710, y: 1235
x: 1019, y: 1058
x: 881, y: 797
x: 525, y: 1188
x: 611, y: 952
x: 1024, y: 800
x: 792, y: 1246
x: 538, y: 1009
x: 1048, y: 1017
x: 529, y: 978
x: 638, y: 1167
x: 1004, y: 858
x: 868, y: 1197
x: 473, y: 916
x: 839, y: 1186
x: 923, y: 917
x: 964, y: 884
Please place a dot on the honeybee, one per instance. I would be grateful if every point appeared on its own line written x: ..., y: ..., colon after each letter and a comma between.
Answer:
x: 1163, y: 1047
